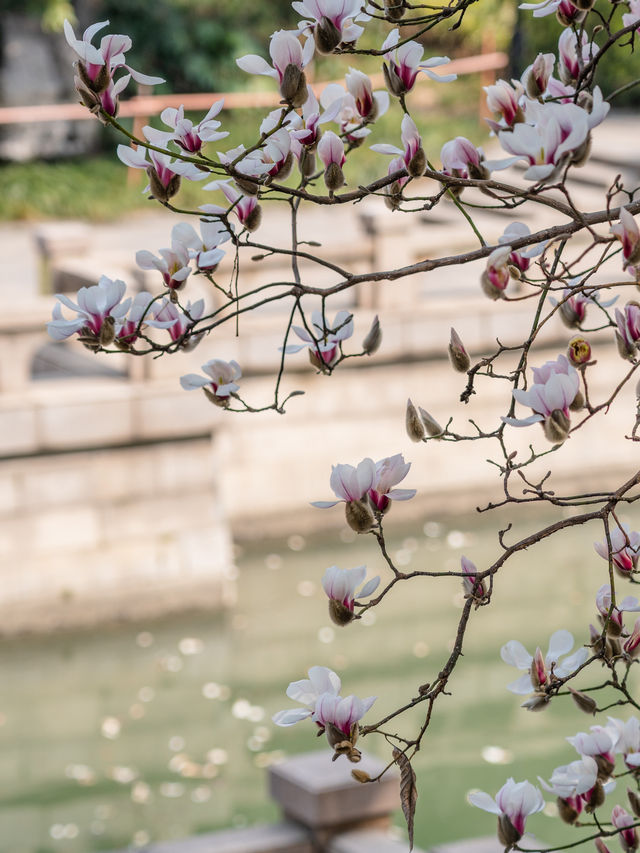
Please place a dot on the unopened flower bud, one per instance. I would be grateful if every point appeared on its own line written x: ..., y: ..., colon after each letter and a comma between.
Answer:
x: 107, y: 332
x: 634, y: 802
x: 394, y: 9
x: 432, y: 426
x: 340, y: 613
x: 581, y: 154
x: 221, y: 402
x: 247, y: 186
x: 294, y: 85
x: 101, y: 80
x: 508, y: 835
x: 359, y: 516
x: 254, y: 219
x: 373, y: 339
x: 583, y: 5
x: 307, y: 162
x: 393, y: 196
x: 556, y: 426
x: 601, y: 846
x: 158, y: 190
x: 597, y: 797
x: 583, y: 701
x: 566, y: 811
x: 333, y: 177
x: 579, y: 351
x: 578, y: 402
x: 327, y: 36
x: 458, y: 355
x: 417, y: 164
x: 567, y: 14
x: 416, y: 429
x: 626, y: 349
x: 361, y: 776
x: 605, y: 767
x: 537, y: 702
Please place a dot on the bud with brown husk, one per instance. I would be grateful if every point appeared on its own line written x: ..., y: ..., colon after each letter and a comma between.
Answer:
x: 394, y: 9
x: 327, y: 36
x: 343, y: 745
x: 508, y: 835
x: 160, y: 191
x: 221, y: 402
x: 333, y: 177
x: 373, y: 339
x: 246, y: 185
x: 568, y: 14
x: 417, y: 164
x: 415, y: 426
x: 99, y: 83
x: 107, y: 332
x: 556, y: 426
x: 566, y: 811
x: 393, y: 195
x: 433, y: 428
x: 253, y: 220
x: 340, y: 613
x: 293, y: 87
x: 634, y: 801
x: 392, y: 81
x: 307, y: 162
x: 605, y: 767
x: 361, y: 776
x: 359, y: 515
x: 625, y: 348
x: 458, y: 356
x: 537, y: 702
x: 582, y: 701
x: 577, y: 402
x: 597, y: 797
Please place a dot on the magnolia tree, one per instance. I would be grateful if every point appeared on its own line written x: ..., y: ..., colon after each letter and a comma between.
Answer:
x: 541, y: 121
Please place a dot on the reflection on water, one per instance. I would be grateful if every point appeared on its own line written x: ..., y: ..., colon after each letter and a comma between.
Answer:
x: 142, y: 732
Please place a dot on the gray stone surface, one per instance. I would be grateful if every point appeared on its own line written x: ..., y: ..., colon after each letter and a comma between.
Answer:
x: 269, y: 838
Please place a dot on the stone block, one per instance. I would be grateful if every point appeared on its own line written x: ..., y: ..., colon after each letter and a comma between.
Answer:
x: 322, y: 794
x: 276, y: 838
x: 18, y: 430
x: 370, y: 841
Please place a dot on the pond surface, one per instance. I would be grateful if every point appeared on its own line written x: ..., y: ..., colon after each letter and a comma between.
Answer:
x: 151, y: 731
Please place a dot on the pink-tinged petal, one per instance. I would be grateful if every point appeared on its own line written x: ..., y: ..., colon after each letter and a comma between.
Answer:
x: 384, y: 148
x: 253, y: 64
x: 135, y: 159
x: 323, y: 504
x: 401, y: 494
x: 483, y: 801
x: 144, y: 79
x: 523, y: 422
x: 291, y: 716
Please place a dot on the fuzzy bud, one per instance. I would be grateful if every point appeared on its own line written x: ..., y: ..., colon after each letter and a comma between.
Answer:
x: 158, y: 190
x: 333, y: 177
x: 432, y: 426
x: 254, y: 219
x: 605, y: 767
x: 293, y: 81
x: 101, y: 81
x: 373, y: 339
x: 307, y: 163
x: 579, y: 351
x: 416, y: 428
x: 393, y: 83
x: 566, y: 811
x: 556, y: 426
x: 327, y: 36
x: 359, y: 515
x: 394, y: 9
x: 583, y: 701
x: 578, y: 402
x: 340, y: 613
x: 247, y: 186
x: 221, y: 402
x: 634, y: 802
x: 361, y: 776
x: 458, y: 355
x: 107, y: 332
x: 597, y: 797
x: 537, y: 702
x: 626, y: 350
x: 417, y: 164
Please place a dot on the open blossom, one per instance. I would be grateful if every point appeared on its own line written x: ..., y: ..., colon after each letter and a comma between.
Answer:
x: 163, y: 172
x: 496, y: 276
x: 181, y: 321
x: 342, y: 713
x: 184, y: 133
x: 623, y: 821
x: 628, y: 331
x: 99, y: 311
x: 572, y: 780
x: 504, y: 99
x: 628, y: 742
x: 245, y: 207
x: 554, y: 389
x: 323, y: 341
x: 97, y: 65
x: 203, y: 247
x: 289, y: 58
x: 340, y: 585
x: 321, y: 681
x: 143, y: 311
x: 172, y: 264
x: 515, y: 801
x: 599, y: 743
x: 462, y: 159
x: 412, y: 152
x: 349, y: 483
x: 625, y: 549
x: 541, y: 671
x: 613, y: 616
x: 219, y: 383
x: 633, y: 15
x: 565, y: 11
x: 274, y: 158
x: 520, y: 259
x: 405, y: 63
x: 331, y: 21
x: 389, y: 472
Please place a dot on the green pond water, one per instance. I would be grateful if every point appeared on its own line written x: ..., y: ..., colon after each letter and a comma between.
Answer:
x: 141, y: 732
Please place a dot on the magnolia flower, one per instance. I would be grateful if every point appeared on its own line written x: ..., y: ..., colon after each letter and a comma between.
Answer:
x: 599, y: 744
x: 323, y: 341
x: 612, y: 616
x: 564, y: 9
x: 555, y: 387
x: 332, y: 710
x: 572, y: 57
x: 626, y: 230
x: 370, y: 105
x: 496, y: 276
x: 289, y: 58
x: 628, y: 742
x: 143, y: 312
x: 340, y: 586
x: 405, y: 63
x: 203, y: 247
x: 625, y: 549
x: 470, y: 583
x: 163, y: 172
x: 245, y: 207
x: 462, y: 159
x: 96, y: 67
x: 350, y: 484
x: 515, y: 801
x: 99, y: 311
x: 331, y: 152
x: 541, y: 672
x: 182, y: 321
x: 521, y: 259
x: 219, y: 384
x: 623, y: 821
x: 331, y: 21
x: 188, y: 136
x: 503, y: 98
x: 173, y: 263
x: 628, y: 332
x: 571, y: 780
x: 535, y: 77
x: 633, y: 15
x: 321, y: 681
x: 274, y: 158
x: 389, y: 471
x: 412, y: 152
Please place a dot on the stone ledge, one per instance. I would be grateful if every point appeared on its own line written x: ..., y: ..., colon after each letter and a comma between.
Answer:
x: 370, y: 842
x: 268, y: 838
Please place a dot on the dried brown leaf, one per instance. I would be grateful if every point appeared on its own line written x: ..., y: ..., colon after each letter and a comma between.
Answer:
x: 408, y: 791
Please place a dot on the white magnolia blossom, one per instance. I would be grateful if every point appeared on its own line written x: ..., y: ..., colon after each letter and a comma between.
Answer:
x: 340, y: 15
x: 341, y: 712
x: 323, y: 340
x: 571, y: 780
x: 539, y: 670
x: 341, y: 584
x: 628, y: 742
x: 285, y: 49
x: 374, y: 480
x: 599, y: 742
x: 321, y: 681
x: 165, y: 169
x: 95, y: 304
x: 405, y: 63
x: 183, y: 132
x: 515, y: 801
x: 625, y: 549
x: 555, y: 387
x: 219, y: 381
